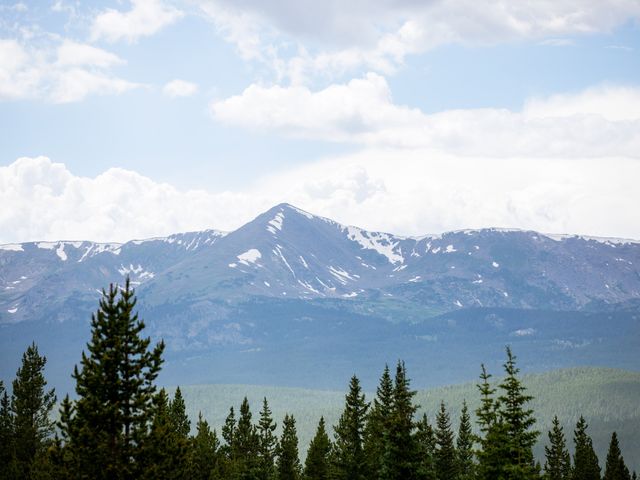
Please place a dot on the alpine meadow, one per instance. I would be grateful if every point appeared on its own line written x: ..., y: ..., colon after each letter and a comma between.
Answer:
x: 319, y: 240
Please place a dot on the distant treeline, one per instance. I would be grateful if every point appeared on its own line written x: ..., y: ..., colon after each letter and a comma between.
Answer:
x: 121, y: 426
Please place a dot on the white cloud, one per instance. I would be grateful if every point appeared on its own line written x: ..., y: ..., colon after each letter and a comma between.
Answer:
x: 596, y: 122
x: 334, y: 37
x: 179, y: 88
x: 409, y: 192
x: 66, y: 72
x: 145, y: 18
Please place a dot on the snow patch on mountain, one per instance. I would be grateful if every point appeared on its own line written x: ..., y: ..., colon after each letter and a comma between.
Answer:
x: 276, y: 223
x: 382, y: 243
x: 12, y: 247
x: 250, y: 256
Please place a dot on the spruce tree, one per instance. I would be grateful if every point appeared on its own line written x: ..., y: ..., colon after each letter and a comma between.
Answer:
x: 7, y: 451
x: 245, y: 445
x: 227, y: 461
x: 615, y: 468
x: 178, y: 414
x: 203, y: 452
x: 267, y: 443
x: 464, y: 446
x: 558, y: 461
x: 426, y: 445
x: 30, y: 408
x: 347, y: 458
x: 164, y: 450
x: 399, y: 459
x: 376, y: 432
x: 518, y: 421
x: 104, y: 429
x: 445, y: 454
x: 317, y: 462
x: 288, y: 464
x: 585, y: 461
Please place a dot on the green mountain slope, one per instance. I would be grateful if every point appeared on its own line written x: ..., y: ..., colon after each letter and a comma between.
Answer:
x: 609, y: 399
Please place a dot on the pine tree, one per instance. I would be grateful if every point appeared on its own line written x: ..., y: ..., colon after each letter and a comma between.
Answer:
x: 558, y: 461
x: 267, y: 443
x: 7, y: 451
x: 585, y: 461
x: 464, y: 446
x: 178, y: 414
x: 347, y: 458
x: 203, y: 452
x: 399, y: 459
x: 317, y: 462
x: 376, y: 432
x: 445, y: 453
x: 493, y: 440
x: 164, y: 451
x: 426, y: 445
x: 615, y: 468
x: 104, y: 429
x: 227, y: 461
x: 245, y: 445
x: 518, y: 421
x: 30, y: 408
x: 288, y: 464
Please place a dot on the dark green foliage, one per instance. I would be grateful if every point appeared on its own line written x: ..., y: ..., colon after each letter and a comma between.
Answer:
x: 178, y: 414
x: 558, y: 461
x: 400, y: 452
x: 377, y: 427
x: 518, y: 420
x: 426, y: 446
x: 267, y: 443
x: 615, y: 468
x: 30, y: 408
x: 445, y: 454
x: 317, y: 463
x: 105, y: 428
x: 347, y: 458
x: 585, y: 461
x: 164, y: 451
x: 288, y: 464
x: 464, y: 446
x: 7, y: 452
x: 245, y: 444
x: 203, y: 453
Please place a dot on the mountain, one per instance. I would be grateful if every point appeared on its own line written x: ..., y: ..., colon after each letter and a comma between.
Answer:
x: 291, y: 288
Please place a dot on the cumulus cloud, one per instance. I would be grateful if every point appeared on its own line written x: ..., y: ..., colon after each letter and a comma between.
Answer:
x: 406, y: 192
x: 337, y: 37
x: 179, y: 88
x: 145, y: 18
x: 596, y: 122
x: 66, y: 72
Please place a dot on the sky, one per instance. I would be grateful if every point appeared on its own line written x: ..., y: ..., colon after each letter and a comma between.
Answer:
x: 141, y: 118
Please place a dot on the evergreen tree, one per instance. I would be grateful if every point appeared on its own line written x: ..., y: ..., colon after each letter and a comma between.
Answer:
x: 288, y: 464
x: 245, y: 444
x: 7, y: 452
x: 558, y: 461
x: 267, y: 443
x: 426, y: 445
x: 518, y: 421
x: 400, y: 455
x: 376, y: 433
x: 178, y: 414
x: 464, y: 446
x: 164, y: 451
x: 585, y: 461
x: 445, y: 453
x: 317, y: 463
x: 227, y: 462
x: 615, y: 468
x: 203, y: 452
x: 347, y: 458
x: 104, y: 429
x: 30, y: 408
x: 493, y: 440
